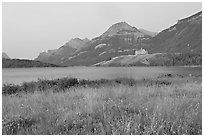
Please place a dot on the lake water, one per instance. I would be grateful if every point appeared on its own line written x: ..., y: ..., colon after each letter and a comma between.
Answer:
x: 19, y: 75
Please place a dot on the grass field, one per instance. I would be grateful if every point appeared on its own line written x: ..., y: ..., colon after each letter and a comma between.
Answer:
x: 172, y: 107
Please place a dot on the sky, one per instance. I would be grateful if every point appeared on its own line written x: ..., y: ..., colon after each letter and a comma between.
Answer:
x: 31, y: 28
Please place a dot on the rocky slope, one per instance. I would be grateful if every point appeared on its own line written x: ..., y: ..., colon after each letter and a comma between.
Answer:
x: 184, y: 37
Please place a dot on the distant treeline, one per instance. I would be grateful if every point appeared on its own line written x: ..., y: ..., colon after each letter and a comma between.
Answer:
x: 188, y: 59
x: 22, y: 63
x: 183, y: 59
x: 176, y: 59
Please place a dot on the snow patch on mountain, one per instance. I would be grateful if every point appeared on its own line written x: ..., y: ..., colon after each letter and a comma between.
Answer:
x: 102, y: 53
x: 101, y: 45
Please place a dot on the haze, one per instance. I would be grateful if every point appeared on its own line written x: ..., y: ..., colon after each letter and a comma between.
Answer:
x: 31, y: 28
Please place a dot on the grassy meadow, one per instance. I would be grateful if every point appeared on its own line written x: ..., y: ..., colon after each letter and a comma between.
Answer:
x: 169, y: 104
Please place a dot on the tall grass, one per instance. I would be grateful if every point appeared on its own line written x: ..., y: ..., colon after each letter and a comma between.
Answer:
x: 167, y: 109
x: 61, y: 85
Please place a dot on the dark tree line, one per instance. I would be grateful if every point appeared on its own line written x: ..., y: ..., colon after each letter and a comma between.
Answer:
x: 21, y: 63
x: 183, y: 59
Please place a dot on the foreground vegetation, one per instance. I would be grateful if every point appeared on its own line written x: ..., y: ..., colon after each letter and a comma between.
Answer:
x: 169, y: 104
x: 62, y: 84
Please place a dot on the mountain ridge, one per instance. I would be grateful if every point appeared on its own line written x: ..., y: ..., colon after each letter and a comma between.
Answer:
x: 119, y: 39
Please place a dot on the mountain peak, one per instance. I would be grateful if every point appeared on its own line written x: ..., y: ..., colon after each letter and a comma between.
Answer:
x: 122, y: 23
x: 117, y: 27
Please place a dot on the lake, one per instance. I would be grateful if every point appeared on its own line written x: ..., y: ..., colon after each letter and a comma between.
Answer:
x: 19, y: 75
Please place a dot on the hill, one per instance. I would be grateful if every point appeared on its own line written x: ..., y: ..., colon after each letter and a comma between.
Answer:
x: 22, y: 63
x: 156, y: 59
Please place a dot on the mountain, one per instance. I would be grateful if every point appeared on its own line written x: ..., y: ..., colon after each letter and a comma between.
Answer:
x: 5, y: 56
x: 184, y: 37
x: 57, y: 55
x: 22, y: 63
x: 150, y: 33
x: 122, y: 28
x: 120, y: 36
x: 122, y: 40
x: 86, y: 40
x: 118, y: 39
